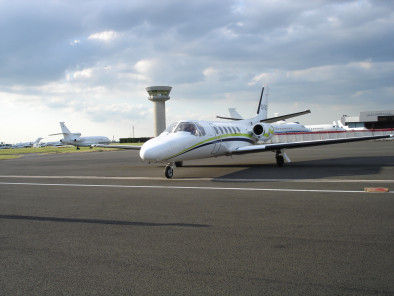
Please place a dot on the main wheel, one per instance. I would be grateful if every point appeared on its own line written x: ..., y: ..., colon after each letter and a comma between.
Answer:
x: 169, y: 172
x: 280, y: 161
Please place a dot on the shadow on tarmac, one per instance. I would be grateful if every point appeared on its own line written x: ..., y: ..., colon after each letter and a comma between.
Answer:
x: 95, y: 221
x: 311, y: 169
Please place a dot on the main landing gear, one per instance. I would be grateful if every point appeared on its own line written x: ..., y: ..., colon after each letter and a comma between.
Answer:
x: 280, y: 157
x: 280, y: 161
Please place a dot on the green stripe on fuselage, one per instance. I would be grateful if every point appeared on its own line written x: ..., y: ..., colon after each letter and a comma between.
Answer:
x: 210, y: 140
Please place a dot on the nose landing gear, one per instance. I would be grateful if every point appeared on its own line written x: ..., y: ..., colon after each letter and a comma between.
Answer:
x: 169, y: 171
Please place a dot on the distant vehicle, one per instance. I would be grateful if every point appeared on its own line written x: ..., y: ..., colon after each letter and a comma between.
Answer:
x: 5, y: 146
x: 75, y: 139
x: 34, y: 144
x: 195, y: 139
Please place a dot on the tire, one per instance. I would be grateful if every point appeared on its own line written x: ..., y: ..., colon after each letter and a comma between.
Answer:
x: 169, y: 172
x: 280, y: 161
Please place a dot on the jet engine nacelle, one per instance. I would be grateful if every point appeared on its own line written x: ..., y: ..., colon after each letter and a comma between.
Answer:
x: 263, y: 131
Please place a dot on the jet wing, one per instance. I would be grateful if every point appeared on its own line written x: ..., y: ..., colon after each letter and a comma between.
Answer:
x: 291, y: 145
x: 132, y: 147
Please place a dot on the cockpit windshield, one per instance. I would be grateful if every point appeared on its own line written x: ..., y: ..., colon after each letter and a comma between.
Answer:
x: 188, y: 127
x: 193, y: 128
x: 169, y: 128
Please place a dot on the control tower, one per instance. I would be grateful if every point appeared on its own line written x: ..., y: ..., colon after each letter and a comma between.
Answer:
x: 159, y: 95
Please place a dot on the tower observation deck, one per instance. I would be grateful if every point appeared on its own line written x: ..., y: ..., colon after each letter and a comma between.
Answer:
x: 159, y: 95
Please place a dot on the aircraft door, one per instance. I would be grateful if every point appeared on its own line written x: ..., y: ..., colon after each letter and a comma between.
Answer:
x: 217, y: 139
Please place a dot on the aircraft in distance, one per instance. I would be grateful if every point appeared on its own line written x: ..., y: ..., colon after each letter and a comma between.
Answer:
x: 195, y: 139
x: 34, y: 144
x: 325, y: 127
x: 75, y: 139
x: 346, y: 128
x: 55, y: 144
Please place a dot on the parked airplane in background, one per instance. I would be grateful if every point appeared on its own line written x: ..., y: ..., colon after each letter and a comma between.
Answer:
x: 54, y: 143
x: 78, y: 141
x: 325, y: 127
x: 346, y: 128
x: 194, y: 139
x: 34, y: 144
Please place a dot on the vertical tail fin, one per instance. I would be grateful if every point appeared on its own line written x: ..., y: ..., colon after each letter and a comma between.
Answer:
x: 66, y: 132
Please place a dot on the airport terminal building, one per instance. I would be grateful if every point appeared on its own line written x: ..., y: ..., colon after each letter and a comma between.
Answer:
x: 370, y: 120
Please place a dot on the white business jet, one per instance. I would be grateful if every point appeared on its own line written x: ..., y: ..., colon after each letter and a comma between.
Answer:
x: 346, y: 128
x: 75, y: 139
x: 194, y: 139
x: 34, y: 144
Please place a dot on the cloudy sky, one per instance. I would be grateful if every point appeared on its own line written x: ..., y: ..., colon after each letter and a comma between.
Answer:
x: 88, y: 62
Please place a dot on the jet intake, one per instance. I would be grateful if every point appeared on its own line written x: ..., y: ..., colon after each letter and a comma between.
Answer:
x: 263, y: 131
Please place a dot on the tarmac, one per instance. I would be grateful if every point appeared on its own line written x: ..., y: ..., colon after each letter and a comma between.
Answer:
x: 105, y: 223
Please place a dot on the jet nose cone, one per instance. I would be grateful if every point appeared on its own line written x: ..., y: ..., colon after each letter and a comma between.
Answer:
x: 154, y: 150
x: 146, y: 153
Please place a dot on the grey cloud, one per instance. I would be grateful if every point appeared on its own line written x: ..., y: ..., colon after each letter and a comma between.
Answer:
x: 239, y: 39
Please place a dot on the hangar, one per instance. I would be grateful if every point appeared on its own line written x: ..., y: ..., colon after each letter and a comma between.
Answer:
x: 370, y: 120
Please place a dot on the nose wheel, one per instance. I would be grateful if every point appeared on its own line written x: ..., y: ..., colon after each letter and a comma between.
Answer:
x: 169, y: 171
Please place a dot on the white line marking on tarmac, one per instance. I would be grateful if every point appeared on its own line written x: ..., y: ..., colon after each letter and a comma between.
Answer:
x: 185, y: 187
x: 201, y: 179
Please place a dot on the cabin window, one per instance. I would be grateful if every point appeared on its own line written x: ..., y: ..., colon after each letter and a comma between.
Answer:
x: 234, y: 130
x: 221, y: 130
x: 226, y: 130
x: 216, y: 130
x: 238, y: 129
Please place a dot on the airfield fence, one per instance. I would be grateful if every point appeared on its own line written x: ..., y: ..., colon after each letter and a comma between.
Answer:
x: 134, y: 140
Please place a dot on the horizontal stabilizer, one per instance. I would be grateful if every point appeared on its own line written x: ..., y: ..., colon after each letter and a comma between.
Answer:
x: 283, y: 117
x: 228, y: 118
